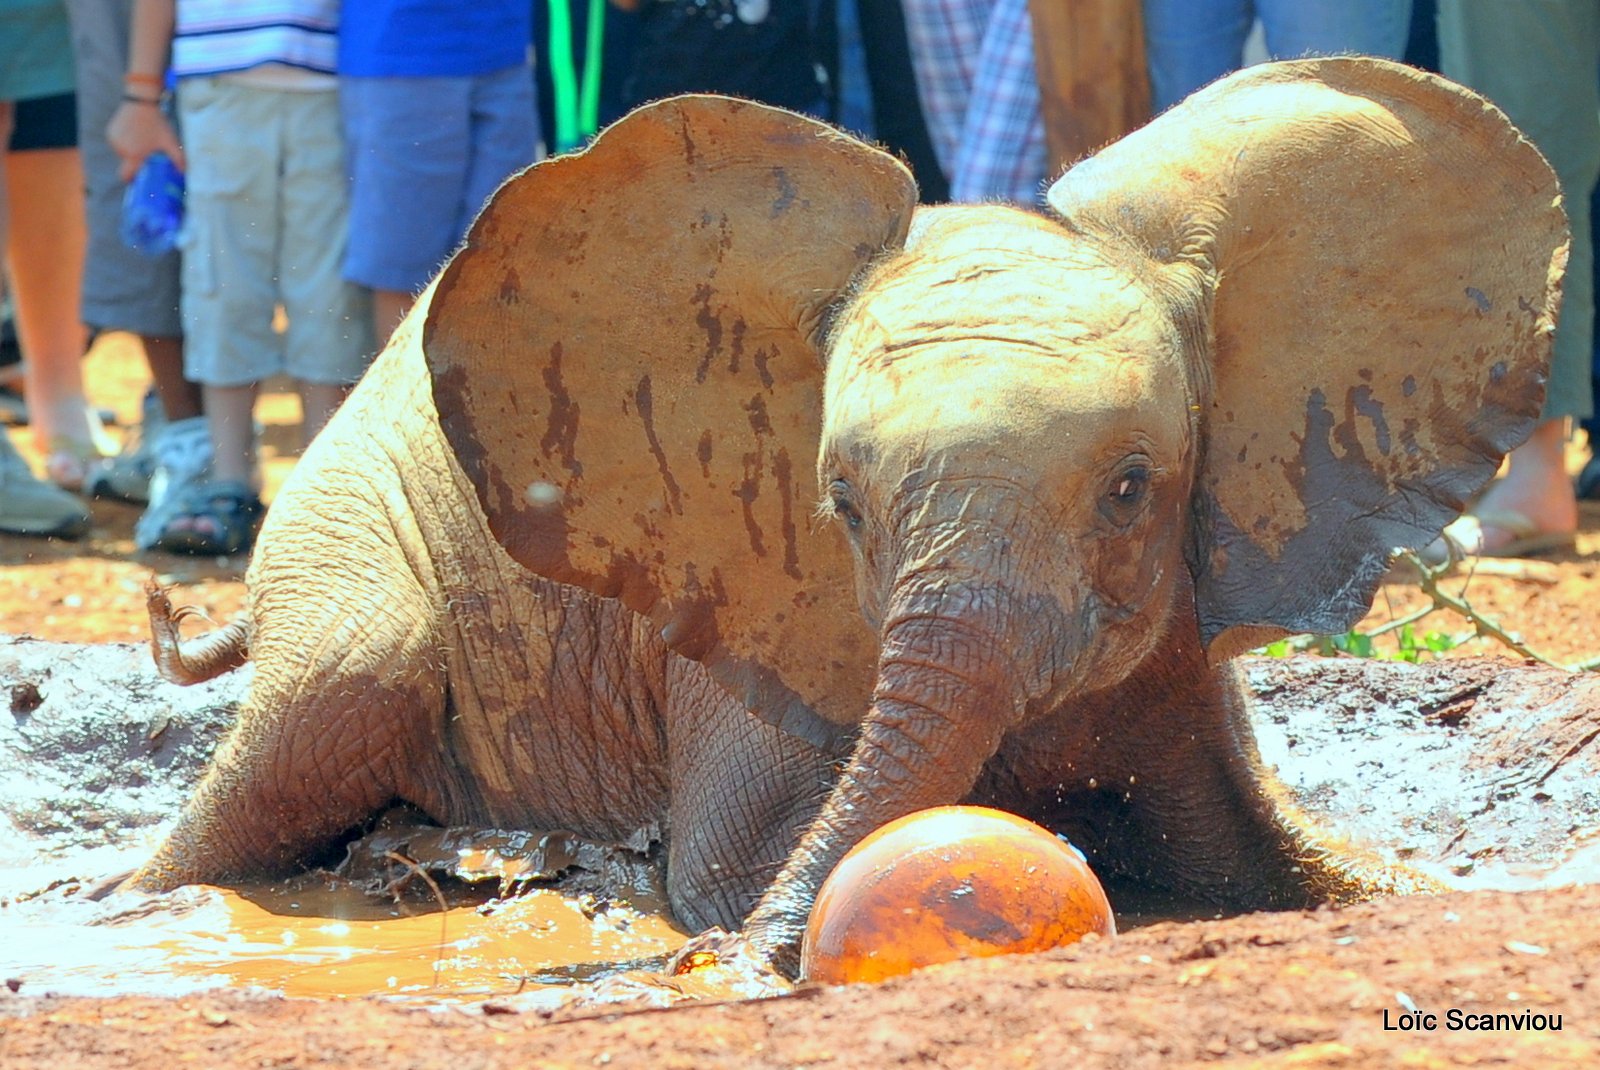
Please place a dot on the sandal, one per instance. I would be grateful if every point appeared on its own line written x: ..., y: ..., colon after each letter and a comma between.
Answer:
x: 1468, y: 536
x: 231, y: 509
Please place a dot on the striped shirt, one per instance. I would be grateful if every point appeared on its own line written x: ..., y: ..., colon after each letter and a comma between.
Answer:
x: 227, y: 36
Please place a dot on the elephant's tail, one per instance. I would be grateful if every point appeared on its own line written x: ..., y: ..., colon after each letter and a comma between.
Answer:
x: 192, y: 661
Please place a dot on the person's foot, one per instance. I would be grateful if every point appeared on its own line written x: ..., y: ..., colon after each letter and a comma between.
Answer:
x: 182, y: 451
x: 1541, y: 496
x: 1500, y: 533
x: 213, y: 518
x: 1531, y: 510
x: 70, y: 461
x: 73, y: 440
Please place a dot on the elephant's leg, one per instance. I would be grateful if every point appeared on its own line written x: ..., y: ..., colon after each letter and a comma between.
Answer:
x: 1200, y: 815
x: 742, y: 793
x: 340, y: 704
x: 1316, y: 862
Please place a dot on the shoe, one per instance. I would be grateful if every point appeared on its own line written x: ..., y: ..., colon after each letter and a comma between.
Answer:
x: 33, y: 506
x: 1465, y: 537
x: 231, y: 511
x: 182, y: 451
x: 126, y: 477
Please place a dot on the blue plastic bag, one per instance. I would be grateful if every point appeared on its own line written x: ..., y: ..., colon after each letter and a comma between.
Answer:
x: 152, y: 207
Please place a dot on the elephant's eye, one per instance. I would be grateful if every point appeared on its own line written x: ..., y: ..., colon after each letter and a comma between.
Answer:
x: 843, y: 507
x: 1126, y: 492
x: 1130, y: 485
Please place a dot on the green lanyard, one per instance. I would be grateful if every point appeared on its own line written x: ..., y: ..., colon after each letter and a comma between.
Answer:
x: 577, y: 118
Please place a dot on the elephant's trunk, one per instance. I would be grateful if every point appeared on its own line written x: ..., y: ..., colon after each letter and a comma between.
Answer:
x: 948, y: 688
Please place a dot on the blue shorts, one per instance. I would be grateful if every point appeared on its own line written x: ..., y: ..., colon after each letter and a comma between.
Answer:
x: 423, y: 155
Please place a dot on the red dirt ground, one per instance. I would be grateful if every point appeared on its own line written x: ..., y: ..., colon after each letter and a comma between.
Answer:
x: 1266, y: 990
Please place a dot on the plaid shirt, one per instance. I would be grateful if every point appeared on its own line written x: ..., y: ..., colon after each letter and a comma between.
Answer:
x: 973, y: 61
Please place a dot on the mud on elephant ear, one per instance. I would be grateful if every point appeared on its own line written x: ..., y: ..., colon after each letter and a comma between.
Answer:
x: 1381, y: 253
x: 625, y: 363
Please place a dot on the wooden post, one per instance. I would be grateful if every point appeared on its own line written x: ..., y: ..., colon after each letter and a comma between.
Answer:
x: 1093, y: 83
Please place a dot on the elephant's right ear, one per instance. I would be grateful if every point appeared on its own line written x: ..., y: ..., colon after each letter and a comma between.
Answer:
x: 624, y: 361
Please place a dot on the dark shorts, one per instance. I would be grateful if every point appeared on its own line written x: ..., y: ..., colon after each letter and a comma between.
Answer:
x: 45, y: 123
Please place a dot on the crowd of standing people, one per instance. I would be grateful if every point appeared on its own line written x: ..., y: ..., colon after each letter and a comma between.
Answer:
x: 335, y: 153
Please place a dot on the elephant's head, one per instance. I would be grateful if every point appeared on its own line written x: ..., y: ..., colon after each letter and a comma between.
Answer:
x: 1012, y: 418
x: 1288, y: 326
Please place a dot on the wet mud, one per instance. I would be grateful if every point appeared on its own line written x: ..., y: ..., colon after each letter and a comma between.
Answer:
x: 1476, y: 770
x: 1484, y: 775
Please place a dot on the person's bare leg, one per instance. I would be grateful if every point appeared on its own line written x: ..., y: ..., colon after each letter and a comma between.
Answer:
x: 7, y: 120
x: 389, y: 307
x: 318, y: 403
x: 230, y: 411
x: 180, y: 399
x: 45, y: 252
x: 29, y: 505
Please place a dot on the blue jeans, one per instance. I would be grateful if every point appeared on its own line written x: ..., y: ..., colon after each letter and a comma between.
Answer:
x: 1192, y: 43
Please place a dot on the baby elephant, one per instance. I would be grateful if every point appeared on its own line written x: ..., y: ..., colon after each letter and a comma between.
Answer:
x: 559, y: 562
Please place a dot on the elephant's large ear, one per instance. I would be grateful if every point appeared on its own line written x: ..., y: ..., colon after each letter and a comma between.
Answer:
x: 625, y: 363
x: 1384, y: 254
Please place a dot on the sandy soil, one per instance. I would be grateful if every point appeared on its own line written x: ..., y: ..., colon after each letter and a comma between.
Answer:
x: 1323, y: 989
x: 1265, y: 990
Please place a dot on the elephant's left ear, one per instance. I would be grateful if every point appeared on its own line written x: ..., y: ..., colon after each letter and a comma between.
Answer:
x: 624, y: 362
x: 1382, y: 252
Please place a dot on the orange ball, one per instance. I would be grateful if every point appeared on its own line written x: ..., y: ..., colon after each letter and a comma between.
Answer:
x: 953, y: 882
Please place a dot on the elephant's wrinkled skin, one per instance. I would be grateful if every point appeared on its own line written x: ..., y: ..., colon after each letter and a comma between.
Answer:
x: 1074, y: 461
x: 401, y: 655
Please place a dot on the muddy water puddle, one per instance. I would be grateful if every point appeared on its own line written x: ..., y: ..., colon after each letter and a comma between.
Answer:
x: 543, y: 918
x: 331, y: 945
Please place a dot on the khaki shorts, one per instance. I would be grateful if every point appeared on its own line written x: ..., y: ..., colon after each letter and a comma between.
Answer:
x: 265, y: 222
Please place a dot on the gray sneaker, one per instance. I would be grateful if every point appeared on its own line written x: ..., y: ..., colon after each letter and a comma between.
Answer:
x: 33, y: 506
x: 126, y: 476
x: 182, y: 452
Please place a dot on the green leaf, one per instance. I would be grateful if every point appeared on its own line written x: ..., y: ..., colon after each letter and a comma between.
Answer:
x: 1439, y: 642
x: 1408, y: 638
x: 1356, y: 643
